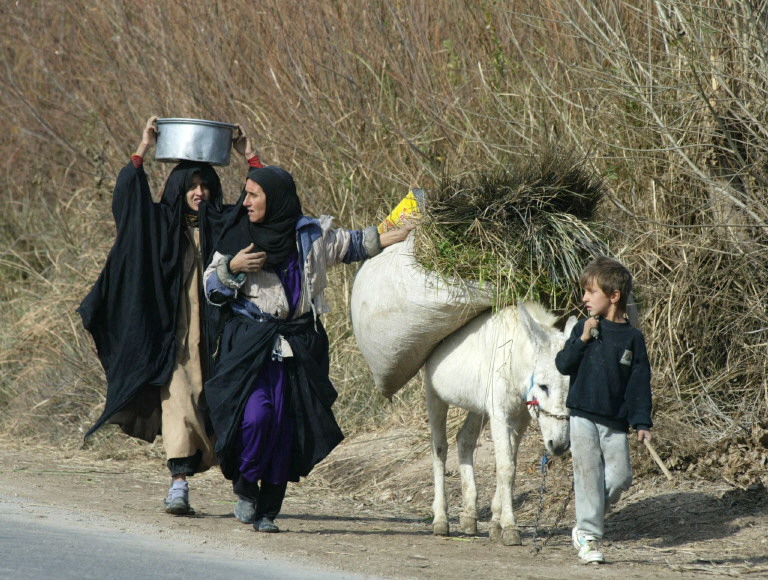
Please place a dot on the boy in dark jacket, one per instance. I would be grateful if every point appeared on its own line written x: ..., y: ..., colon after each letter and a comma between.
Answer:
x: 606, y: 360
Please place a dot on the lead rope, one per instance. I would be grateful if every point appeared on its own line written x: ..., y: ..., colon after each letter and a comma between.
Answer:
x: 560, y: 515
x: 544, y: 461
x: 534, y: 403
x: 544, y: 470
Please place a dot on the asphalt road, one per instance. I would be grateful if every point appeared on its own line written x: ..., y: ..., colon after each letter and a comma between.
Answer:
x: 41, y: 542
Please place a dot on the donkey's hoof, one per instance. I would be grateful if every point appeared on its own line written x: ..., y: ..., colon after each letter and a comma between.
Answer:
x: 494, y: 531
x: 511, y: 537
x: 440, y: 529
x: 468, y: 525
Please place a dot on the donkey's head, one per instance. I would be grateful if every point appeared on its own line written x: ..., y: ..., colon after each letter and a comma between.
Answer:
x: 546, y: 389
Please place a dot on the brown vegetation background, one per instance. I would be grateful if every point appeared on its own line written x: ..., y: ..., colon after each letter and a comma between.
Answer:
x: 362, y: 100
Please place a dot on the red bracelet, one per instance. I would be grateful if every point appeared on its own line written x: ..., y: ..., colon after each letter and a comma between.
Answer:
x: 138, y: 161
x: 255, y: 161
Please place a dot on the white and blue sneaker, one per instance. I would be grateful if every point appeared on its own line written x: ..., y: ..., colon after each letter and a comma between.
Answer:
x: 588, y: 547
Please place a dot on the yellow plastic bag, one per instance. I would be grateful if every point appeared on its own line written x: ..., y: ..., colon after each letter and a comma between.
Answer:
x: 409, y: 207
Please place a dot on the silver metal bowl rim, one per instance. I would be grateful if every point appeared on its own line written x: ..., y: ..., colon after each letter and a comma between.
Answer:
x: 182, y: 121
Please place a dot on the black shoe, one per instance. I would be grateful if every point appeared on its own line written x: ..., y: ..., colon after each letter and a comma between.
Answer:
x: 265, y: 525
x: 245, y: 511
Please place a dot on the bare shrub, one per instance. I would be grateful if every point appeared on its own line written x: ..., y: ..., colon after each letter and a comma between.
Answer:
x: 363, y: 100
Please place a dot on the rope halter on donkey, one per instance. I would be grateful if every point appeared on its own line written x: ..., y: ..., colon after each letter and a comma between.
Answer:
x: 537, y: 408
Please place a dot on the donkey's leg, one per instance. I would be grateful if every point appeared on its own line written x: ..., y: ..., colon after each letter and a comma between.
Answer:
x: 503, y: 525
x: 467, y: 443
x: 510, y: 536
x: 494, y: 529
x: 437, y: 412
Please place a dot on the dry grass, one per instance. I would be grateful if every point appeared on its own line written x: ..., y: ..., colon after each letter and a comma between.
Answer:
x: 526, y: 228
x: 362, y: 101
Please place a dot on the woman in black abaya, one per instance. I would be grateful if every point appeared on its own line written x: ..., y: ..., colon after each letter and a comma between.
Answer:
x: 270, y: 396
x: 148, y: 317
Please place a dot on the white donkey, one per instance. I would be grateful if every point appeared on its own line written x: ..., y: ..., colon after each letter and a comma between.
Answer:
x: 499, y: 366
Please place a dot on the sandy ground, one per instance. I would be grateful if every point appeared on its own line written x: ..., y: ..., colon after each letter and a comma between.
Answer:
x: 366, y: 510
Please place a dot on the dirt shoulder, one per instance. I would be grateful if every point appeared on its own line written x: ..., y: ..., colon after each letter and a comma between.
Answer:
x: 684, y: 529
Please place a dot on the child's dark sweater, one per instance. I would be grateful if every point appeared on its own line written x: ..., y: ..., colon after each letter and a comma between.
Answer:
x: 610, y: 376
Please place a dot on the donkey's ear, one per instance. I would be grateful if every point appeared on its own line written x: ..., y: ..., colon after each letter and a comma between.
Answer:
x: 569, y: 324
x: 534, y: 330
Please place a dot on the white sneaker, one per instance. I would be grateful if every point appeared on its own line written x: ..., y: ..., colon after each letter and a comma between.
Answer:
x: 588, y: 547
x: 575, y: 538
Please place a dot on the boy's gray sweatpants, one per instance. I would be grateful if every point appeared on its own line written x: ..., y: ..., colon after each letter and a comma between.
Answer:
x: 601, y: 471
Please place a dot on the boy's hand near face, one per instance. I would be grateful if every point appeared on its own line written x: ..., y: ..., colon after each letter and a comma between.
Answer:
x: 590, y: 325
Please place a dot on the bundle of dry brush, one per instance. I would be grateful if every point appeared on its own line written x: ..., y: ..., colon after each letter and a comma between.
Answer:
x: 528, y: 228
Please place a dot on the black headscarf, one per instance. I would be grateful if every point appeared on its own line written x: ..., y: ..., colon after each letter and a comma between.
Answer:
x: 132, y: 310
x: 179, y: 182
x: 275, y: 234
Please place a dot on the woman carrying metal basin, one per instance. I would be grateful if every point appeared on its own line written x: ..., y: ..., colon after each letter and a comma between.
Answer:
x: 149, y: 320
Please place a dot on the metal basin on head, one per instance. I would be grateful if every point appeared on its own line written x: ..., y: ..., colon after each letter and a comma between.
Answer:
x: 194, y: 140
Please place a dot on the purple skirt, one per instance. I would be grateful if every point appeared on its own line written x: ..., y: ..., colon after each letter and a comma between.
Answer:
x: 266, y: 432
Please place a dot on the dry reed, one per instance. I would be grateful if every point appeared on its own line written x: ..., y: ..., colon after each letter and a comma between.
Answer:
x: 362, y: 101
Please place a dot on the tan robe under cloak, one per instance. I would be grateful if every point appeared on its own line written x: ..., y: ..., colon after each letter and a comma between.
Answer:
x: 183, y: 423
